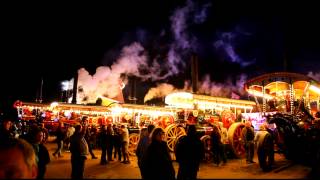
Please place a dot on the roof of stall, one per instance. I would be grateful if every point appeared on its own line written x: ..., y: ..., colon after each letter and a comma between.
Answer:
x: 66, y: 106
x: 187, y: 100
x: 280, y: 81
x: 223, y: 100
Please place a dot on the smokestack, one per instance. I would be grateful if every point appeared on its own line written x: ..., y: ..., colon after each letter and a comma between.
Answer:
x: 132, y: 95
x: 75, y: 88
x: 119, y: 96
x: 194, y: 73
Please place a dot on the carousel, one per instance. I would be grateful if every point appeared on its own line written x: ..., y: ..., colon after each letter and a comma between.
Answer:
x: 289, y: 103
x: 280, y: 90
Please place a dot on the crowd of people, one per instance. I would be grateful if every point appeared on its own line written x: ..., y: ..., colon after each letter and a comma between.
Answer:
x: 27, y: 142
x: 22, y: 155
x: 29, y: 155
x: 153, y: 155
x: 83, y: 138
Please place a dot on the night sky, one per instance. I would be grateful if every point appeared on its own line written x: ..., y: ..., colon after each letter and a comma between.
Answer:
x: 54, y: 41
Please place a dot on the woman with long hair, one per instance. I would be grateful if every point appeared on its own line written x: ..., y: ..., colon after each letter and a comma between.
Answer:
x: 157, y: 161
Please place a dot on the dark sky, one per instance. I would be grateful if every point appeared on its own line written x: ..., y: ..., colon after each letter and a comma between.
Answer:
x: 53, y: 41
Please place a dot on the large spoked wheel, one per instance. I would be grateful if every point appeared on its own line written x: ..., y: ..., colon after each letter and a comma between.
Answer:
x: 133, y: 143
x: 206, y: 141
x: 173, y: 133
x: 235, y: 139
x: 228, y: 117
x: 265, y: 151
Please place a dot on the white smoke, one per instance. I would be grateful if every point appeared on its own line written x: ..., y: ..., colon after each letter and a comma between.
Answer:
x: 161, y: 90
x: 134, y: 61
x: 315, y: 75
x: 107, y: 80
x: 206, y: 87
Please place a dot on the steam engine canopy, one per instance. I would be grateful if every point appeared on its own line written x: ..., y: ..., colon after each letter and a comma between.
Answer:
x: 195, y: 101
x: 278, y: 85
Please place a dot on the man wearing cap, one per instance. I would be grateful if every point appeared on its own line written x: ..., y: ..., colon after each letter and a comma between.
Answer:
x: 248, y: 139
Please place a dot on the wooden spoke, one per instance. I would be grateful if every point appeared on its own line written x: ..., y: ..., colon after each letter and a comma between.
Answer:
x: 133, y: 142
x: 172, y: 135
x: 235, y: 139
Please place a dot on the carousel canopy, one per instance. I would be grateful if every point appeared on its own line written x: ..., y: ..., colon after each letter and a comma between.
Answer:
x: 278, y: 84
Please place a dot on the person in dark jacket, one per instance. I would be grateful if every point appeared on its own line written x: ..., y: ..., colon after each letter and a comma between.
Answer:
x: 93, y: 137
x: 117, y: 143
x: 79, y: 150
x: 157, y: 161
x: 216, y: 145
x: 248, y: 139
x: 143, y: 144
x: 110, y: 134
x: 189, y: 152
x: 103, y: 144
x: 42, y: 155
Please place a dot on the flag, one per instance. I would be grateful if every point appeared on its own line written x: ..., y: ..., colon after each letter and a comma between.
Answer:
x: 234, y: 96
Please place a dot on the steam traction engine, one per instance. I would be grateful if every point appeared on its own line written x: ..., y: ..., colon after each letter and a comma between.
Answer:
x: 205, y: 111
x: 294, y: 99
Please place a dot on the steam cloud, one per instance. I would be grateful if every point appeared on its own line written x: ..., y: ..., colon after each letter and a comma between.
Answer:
x: 206, y: 87
x: 161, y: 90
x: 107, y: 80
x: 226, y: 43
x: 134, y: 61
x: 184, y: 42
x: 222, y: 89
